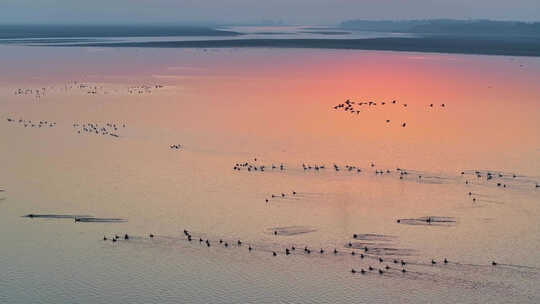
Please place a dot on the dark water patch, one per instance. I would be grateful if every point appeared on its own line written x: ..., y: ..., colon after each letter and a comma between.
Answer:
x: 56, y: 216
x: 291, y: 230
x: 372, y: 237
x: 274, y: 33
x: 490, y: 201
x: 447, y: 279
x: 380, y: 250
x: 314, y: 194
x: 326, y: 32
x: 76, y: 218
x: 99, y: 220
x: 436, y: 180
x: 322, y: 28
x: 429, y: 221
x: 51, y: 41
x: 519, y: 266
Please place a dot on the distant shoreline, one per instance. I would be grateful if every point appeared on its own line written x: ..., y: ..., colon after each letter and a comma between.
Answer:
x: 452, y: 45
x: 32, y: 31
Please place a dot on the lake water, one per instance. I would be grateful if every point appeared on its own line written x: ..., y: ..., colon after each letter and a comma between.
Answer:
x: 232, y: 106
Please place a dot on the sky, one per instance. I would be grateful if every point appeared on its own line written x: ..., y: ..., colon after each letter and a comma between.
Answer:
x: 253, y: 11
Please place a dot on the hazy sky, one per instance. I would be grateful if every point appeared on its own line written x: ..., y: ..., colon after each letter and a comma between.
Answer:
x: 243, y: 11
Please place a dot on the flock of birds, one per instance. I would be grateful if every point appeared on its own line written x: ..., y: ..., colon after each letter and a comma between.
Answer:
x: 255, y: 165
x: 92, y: 128
x: 353, y: 107
x: 362, y: 253
x: 247, y: 166
x: 32, y: 124
x: 143, y: 89
x: 109, y: 128
x: 85, y: 88
x: 499, y: 179
x: 37, y: 92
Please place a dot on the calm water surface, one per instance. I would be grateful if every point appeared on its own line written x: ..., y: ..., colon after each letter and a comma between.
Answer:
x: 229, y: 106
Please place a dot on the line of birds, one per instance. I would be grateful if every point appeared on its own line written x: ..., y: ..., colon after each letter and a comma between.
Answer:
x: 115, y: 238
x: 402, y: 173
x: 32, y: 124
x: 256, y: 167
x: 88, y: 88
x: 289, y: 251
x: 28, y: 91
x: 313, y: 167
x: 282, y: 195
